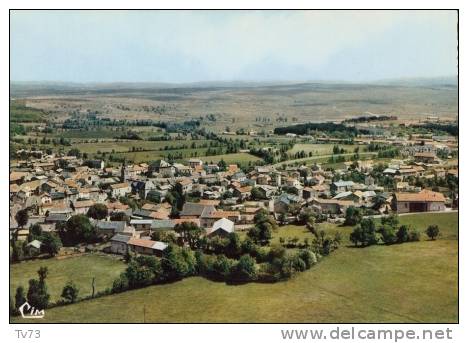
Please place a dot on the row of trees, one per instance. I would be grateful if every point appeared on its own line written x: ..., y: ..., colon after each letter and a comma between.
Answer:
x: 389, y: 232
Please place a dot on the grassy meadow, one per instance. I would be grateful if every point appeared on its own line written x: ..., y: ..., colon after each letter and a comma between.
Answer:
x: 79, y: 269
x: 411, y: 283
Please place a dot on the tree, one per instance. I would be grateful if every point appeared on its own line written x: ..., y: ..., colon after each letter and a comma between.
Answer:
x: 222, y: 165
x: 51, y: 243
x: 403, y: 234
x: 154, y: 196
x: 234, y: 246
x: 353, y: 216
x: 78, y: 229
x: 38, y: 296
x: 22, y: 217
x: 190, y: 233
x: 35, y: 231
x: 222, y: 267
x: 245, y: 269
x: 256, y: 193
x: 70, y: 292
x: 97, y: 211
x: 119, y: 217
x: 388, y: 234
x: 365, y: 233
x: 74, y: 152
x: 173, y: 263
x: 20, y: 297
x: 262, y: 231
x: 432, y: 231
x: 391, y: 220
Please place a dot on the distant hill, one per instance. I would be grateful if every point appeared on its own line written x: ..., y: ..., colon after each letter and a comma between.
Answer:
x: 35, y: 88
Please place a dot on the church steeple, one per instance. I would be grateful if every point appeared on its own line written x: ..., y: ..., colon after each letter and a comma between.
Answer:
x: 123, y: 172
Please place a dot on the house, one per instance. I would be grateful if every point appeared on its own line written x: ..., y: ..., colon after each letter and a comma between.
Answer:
x: 348, y: 196
x: 120, y: 190
x: 95, y: 164
x: 221, y: 228
x: 182, y: 170
x: 341, y: 186
x: 82, y: 207
x: 333, y: 206
x: 193, y: 210
x: 242, y: 192
x: 424, y: 201
x: 186, y: 185
x: 146, y: 246
x: 195, y: 162
x: 163, y: 225
x: 425, y: 157
x: 282, y: 203
x: 141, y: 224
x: 208, y: 218
x: 142, y: 188
x: 110, y: 228
x: 119, y: 244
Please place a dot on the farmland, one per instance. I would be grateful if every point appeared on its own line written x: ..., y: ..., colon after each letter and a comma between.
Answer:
x: 412, y: 282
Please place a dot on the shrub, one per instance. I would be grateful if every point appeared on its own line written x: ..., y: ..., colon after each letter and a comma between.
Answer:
x: 70, y: 292
x: 365, y: 233
x: 244, y: 270
x: 308, y: 257
x: 432, y: 231
x: 403, y: 234
x: 388, y: 234
x: 120, y: 284
x: 414, y: 235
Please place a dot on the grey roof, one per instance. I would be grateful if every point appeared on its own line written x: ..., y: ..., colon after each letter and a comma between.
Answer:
x: 117, y: 226
x: 142, y: 213
x: 57, y: 217
x: 163, y: 224
x: 120, y: 238
x: 195, y: 209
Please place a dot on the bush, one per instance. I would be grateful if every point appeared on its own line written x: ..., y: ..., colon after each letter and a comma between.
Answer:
x: 120, y: 284
x: 308, y: 257
x: 221, y: 268
x: 364, y: 234
x: 70, y: 292
x: 388, y: 234
x: 353, y: 216
x: 432, y: 231
x: 244, y: 270
x: 414, y: 235
x: 403, y: 234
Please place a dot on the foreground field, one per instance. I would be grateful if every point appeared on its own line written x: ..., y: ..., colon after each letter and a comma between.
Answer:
x: 80, y: 270
x: 412, y: 282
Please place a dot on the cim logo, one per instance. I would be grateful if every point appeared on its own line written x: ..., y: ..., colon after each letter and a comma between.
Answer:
x: 29, y: 312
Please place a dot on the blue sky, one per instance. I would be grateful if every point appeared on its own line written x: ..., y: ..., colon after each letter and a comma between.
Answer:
x: 190, y: 46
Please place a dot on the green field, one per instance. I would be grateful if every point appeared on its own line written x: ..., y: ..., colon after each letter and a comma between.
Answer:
x: 80, y: 269
x: 321, y: 149
x: 124, y: 146
x: 21, y: 113
x: 241, y: 158
x: 412, y: 282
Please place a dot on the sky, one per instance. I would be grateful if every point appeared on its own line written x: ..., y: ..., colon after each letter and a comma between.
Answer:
x: 193, y: 46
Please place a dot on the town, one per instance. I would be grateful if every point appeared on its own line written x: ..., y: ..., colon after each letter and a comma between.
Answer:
x: 63, y: 204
